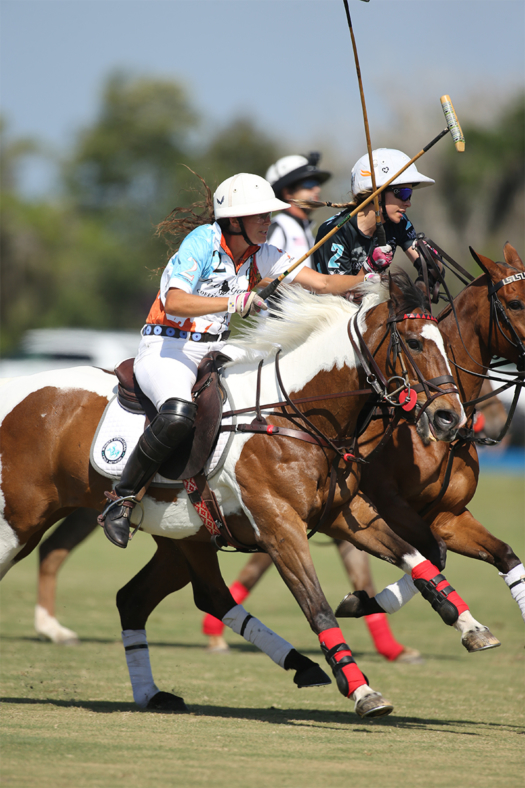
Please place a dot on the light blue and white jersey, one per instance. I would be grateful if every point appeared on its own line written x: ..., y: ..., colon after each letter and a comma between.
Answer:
x: 202, y: 266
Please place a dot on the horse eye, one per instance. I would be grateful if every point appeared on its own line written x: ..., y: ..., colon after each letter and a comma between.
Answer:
x: 515, y: 305
x: 414, y: 344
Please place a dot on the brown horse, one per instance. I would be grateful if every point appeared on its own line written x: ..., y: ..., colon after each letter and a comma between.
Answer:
x: 409, y: 492
x: 270, y: 489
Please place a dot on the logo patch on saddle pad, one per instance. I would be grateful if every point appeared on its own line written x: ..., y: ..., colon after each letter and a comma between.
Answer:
x: 117, y: 435
x: 114, y: 450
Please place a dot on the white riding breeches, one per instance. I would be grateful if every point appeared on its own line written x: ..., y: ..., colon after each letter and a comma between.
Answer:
x: 166, y: 367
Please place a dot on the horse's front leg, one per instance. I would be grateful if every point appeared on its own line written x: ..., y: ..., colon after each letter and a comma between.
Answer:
x: 465, y: 535
x: 287, y: 545
x: 360, y: 523
x: 212, y: 596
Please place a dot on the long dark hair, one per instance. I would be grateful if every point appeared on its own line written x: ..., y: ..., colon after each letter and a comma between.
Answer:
x: 312, y: 204
x: 181, y: 221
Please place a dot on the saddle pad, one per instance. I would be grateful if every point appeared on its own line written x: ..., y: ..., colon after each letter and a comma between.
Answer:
x: 117, y: 435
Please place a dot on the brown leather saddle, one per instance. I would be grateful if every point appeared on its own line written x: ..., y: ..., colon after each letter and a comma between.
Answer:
x: 191, y: 455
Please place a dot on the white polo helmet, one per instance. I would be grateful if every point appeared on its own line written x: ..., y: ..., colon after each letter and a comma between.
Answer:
x: 387, y: 161
x: 245, y: 195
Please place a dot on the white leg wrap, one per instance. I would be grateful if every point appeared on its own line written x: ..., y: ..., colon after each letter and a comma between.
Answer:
x: 515, y: 579
x: 139, y: 667
x: 394, y: 596
x: 254, y: 631
x: 49, y: 628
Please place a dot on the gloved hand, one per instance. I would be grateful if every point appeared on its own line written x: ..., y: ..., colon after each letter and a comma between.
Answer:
x: 378, y: 259
x: 245, y: 304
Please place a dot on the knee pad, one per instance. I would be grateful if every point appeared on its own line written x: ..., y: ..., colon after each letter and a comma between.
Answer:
x: 171, y: 426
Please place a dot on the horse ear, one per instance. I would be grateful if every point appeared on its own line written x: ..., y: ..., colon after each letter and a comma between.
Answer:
x: 512, y: 258
x: 396, y: 294
x: 484, y: 262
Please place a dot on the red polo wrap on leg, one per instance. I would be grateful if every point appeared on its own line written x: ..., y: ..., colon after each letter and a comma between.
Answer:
x: 212, y: 625
x: 426, y: 571
x: 332, y: 637
x: 384, y: 641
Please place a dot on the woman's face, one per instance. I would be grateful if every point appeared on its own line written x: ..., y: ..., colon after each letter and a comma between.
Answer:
x: 257, y: 227
x: 395, y: 206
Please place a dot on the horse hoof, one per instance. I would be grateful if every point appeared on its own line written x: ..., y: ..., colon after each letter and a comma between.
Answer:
x: 312, y: 677
x: 49, y: 628
x: 357, y: 605
x: 165, y: 701
x: 217, y: 645
x: 479, y: 640
x: 409, y: 656
x: 373, y: 705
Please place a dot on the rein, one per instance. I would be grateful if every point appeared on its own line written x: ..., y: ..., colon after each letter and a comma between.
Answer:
x: 433, y: 255
x: 378, y: 394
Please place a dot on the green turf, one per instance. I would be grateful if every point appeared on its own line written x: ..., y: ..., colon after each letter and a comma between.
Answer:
x: 68, y: 717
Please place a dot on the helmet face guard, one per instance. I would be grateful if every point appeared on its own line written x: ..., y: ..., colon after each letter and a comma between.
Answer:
x: 245, y: 195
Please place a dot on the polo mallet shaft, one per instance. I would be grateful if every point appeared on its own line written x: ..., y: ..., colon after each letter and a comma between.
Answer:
x: 380, y: 230
x: 455, y: 130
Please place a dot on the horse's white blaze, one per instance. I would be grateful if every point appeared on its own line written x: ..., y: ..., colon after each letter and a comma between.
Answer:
x: 433, y: 333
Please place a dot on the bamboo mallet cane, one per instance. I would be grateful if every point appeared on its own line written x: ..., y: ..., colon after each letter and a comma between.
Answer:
x: 380, y: 230
x: 459, y: 140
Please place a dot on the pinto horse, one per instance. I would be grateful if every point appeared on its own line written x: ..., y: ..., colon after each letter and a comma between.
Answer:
x: 415, y: 495
x: 272, y: 488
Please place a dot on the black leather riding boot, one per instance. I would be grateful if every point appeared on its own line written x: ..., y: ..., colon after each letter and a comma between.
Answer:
x: 169, y: 428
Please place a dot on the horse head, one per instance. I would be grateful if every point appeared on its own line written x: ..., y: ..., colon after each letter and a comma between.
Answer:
x: 506, y: 336
x: 417, y: 355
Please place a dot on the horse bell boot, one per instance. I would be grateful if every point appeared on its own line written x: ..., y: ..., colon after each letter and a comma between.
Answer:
x: 169, y: 428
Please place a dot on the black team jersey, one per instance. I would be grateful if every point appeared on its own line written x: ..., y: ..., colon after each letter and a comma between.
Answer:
x: 346, y: 251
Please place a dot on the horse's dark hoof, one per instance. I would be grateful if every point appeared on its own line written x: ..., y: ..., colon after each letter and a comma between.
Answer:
x: 373, y: 705
x: 479, y: 640
x: 165, y: 701
x: 312, y: 677
x: 357, y: 605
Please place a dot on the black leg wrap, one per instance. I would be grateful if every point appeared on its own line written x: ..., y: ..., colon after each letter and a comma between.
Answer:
x: 308, y: 673
x: 438, y: 599
x: 340, y: 678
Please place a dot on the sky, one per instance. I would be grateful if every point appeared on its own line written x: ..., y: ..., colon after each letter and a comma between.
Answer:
x: 288, y: 64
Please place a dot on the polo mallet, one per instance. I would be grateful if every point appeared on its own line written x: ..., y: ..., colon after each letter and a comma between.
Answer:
x: 459, y: 140
x: 380, y: 230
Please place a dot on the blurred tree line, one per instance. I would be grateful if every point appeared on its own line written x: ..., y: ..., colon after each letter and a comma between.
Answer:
x: 89, y: 257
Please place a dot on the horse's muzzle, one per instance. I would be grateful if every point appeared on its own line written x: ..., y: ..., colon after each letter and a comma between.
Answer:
x: 439, y: 425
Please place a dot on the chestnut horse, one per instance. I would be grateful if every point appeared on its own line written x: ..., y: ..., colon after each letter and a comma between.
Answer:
x: 271, y: 489
x: 409, y: 492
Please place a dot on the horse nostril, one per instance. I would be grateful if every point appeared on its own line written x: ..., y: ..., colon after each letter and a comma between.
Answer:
x: 446, y: 419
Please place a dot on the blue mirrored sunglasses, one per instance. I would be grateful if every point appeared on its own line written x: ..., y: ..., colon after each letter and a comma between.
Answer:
x: 403, y: 193
x: 311, y: 183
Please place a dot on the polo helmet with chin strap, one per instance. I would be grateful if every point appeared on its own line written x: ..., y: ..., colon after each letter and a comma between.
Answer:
x: 387, y: 161
x: 245, y: 195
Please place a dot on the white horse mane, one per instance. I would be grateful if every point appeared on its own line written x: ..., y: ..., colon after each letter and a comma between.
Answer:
x: 297, y: 316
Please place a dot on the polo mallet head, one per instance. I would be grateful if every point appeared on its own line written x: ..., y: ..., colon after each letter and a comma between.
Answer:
x: 453, y: 123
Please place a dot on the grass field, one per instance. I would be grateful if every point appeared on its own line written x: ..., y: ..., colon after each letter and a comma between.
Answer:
x: 68, y: 717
